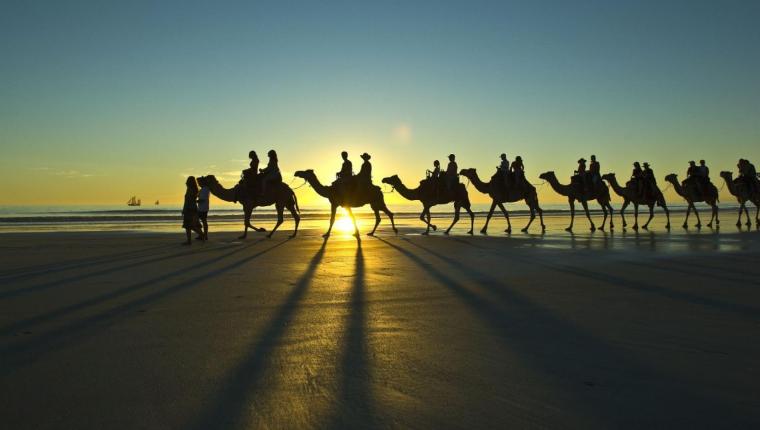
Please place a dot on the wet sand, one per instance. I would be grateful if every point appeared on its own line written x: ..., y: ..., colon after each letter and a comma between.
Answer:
x: 624, y: 330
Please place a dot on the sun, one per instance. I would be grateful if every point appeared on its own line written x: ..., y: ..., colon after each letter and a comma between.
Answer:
x: 343, y: 224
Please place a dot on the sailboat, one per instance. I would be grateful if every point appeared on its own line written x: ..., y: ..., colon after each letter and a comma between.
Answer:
x: 156, y: 202
x: 134, y: 201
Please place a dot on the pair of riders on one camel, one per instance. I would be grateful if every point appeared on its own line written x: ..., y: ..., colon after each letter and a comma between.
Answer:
x: 256, y: 181
x: 643, y: 181
x: 347, y: 182
x: 442, y: 182
x: 588, y: 180
x: 699, y: 176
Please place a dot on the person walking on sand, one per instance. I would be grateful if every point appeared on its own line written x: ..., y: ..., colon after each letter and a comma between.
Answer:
x: 190, y: 209
x: 203, y: 205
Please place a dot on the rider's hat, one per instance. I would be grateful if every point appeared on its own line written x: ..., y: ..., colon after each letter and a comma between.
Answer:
x: 582, y: 160
x: 646, y: 164
x: 365, y: 156
x: 692, y: 162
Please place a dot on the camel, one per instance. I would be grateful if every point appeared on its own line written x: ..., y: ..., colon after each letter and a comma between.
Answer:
x: 429, y: 198
x: 373, y: 197
x: 601, y: 194
x: 280, y: 195
x: 691, y: 194
x: 499, y: 195
x: 739, y: 189
x: 631, y: 196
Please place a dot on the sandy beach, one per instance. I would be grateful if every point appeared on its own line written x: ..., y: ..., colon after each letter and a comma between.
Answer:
x: 132, y: 330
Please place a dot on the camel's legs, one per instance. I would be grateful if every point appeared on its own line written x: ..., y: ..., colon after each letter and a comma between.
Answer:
x: 667, y: 214
x: 757, y: 214
x: 333, y: 208
x: 609, y: 207
x: 506, y: 215
x: 280, y: 218
x: 540, y: 216
x: 296, y: 218
x: 247, y: 213
x: 472, y: 217
x: 456, y: 217
x: 425, y: 217
x: 651, y: 215
x: 696, y: 212
x: 588, y: 214
x: 739, y: 220
x: 390, y: 215
x: 532, y: 206
x: 572, y: 214
x: 377, y: 222
x: 688, y: 211
x: 626, y: 202
x: 429, y: 220
x: 353, y: 220
x: 484, y: 230
x: 746, y: 212
x: 635, y: 216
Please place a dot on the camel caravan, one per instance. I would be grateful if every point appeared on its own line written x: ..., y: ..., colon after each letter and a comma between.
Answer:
x: 264, y: 187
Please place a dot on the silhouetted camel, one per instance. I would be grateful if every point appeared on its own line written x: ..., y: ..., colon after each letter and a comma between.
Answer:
x: 691, y: 194
x: 430, y: 197
x: 280, y: 195
x: 739, y: 189
x: 372, y: 196
x: 630, y: 195
x: 601, y: 194
x: 500, y: 194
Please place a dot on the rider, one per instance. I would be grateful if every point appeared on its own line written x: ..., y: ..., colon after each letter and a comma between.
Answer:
x: 451, y: 173
x: 248, y: 176
x: 649, y: 179
x: 518, y: 169
x: 271, y: 173
x: 693, y: 173
x: 637, y: 175
x: 436, y: 172
x: 364, y: 178
x: 704, y: 171
x: 346, y: 170
x: 581, y: 172
x: 504, y: 169
x: 595, y: 171
x: 749, y: 175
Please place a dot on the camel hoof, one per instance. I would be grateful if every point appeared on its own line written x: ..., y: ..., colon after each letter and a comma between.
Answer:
x: 570, y: 229
x: 292, y: 236
x: 667, y: 226
x: 470, y: 232
x: 543, y: 227
x: 593, y: 228
x: 698, y: 226
x: 709, y: 225
x: 525, y: 230
x: 261, y: 229
x: 371, y: 233
x: 635, y: 227
x: 509, y: 231
x: 433, y: 227
x: 645, y: 227
x: 625, y: 224
x: 269, y: 236
x: 738, y: 224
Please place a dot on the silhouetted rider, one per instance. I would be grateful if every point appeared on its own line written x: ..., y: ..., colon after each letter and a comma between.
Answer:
x: 518, y: 169
x: 650, y: 180
x: 346, y: 170
x: 452, y: 173
x: 595, y: 170
x: 436, y: 172
x: 504, y: 169
x: 637, y: 175
x: 364, y: 178
x: 695, y: 176
x: 271, y: 173
x: 581, y: 172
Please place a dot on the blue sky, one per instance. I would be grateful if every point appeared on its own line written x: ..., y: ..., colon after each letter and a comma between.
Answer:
x: 102, y: 100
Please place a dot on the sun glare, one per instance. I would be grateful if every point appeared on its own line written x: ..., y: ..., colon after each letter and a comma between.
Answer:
x: 343, y: 224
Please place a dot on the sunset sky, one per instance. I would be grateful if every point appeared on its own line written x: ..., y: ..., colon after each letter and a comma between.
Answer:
x: 103, y: 100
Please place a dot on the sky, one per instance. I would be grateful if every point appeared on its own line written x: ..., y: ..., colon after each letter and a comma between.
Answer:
x: 105, y: 100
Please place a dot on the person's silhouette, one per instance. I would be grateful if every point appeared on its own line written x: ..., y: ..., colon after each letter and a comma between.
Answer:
x: 190, y: 209
x: 452, y: 173
x: 694, y: 175
x: 518, y: 169
x: 436, y: 172
x: 650, y: 181
x: 581, y: 172
x: 271, y: 173
x: 346, y: 170
x: 364, y: 177
x: 595, y: 170
x: 504, y: 169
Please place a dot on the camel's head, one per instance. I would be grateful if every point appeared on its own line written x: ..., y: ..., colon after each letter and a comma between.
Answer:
x: 547, y: 175
x: 726, y: 174
x: 608, y: 176
x: 304, y: 174
x: 392, y: 180
x: 672, y: 177
x: 467, y: 173
x: 207, y: 180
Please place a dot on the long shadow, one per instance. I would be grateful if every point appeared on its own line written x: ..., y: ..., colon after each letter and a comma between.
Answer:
x: 556, y: 347
x: 240, y: 386
x: 23, y: 353
x: 38, y: 319
x: 693, y: 270
x: 354, y: 409
x: 28, y: 272
x: 76, y: 278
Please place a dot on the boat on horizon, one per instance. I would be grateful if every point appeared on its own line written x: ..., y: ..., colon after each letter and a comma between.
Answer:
x: 134, y: 201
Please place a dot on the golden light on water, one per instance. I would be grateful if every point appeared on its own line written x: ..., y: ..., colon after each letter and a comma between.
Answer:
x: 343, y: 223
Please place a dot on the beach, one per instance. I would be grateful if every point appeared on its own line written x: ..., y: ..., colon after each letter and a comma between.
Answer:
x: 119, y: 329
